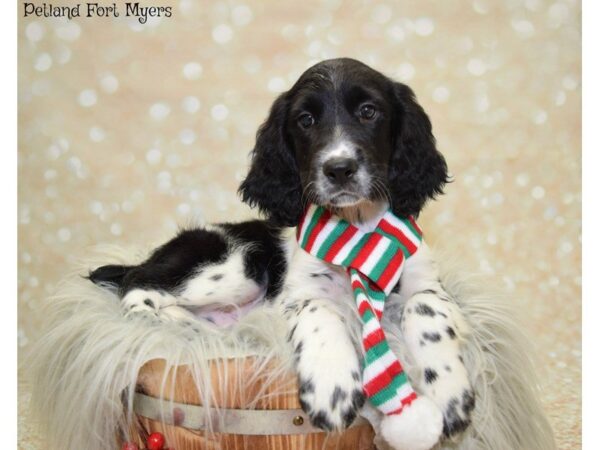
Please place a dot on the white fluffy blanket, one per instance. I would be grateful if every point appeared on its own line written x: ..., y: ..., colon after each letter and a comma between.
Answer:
x: 84, y: 369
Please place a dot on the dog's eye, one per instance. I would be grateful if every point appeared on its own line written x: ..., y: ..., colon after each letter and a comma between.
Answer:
x: 367, y: 112
x: 306, y: 120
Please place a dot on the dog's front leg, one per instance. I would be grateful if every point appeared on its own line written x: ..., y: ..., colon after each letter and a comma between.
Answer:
x: 434, y: 330
x: 326, y: 361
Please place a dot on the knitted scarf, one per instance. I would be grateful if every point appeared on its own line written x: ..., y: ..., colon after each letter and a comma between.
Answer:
x: 374, y: 261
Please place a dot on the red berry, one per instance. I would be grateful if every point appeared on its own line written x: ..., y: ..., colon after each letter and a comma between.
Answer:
x: 129, y: 446
x: 155, y: 441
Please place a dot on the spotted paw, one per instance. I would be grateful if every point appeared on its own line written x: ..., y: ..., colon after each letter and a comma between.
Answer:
x: 457, y: 414
x: 140, y: 301
x: 331, y: 400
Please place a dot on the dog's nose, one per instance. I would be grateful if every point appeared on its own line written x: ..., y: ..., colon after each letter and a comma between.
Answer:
x: 340, y: 170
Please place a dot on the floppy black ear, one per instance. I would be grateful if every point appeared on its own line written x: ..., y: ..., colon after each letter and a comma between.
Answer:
x: 273, y: 182
x: 109, y: 277
x: 418, y: 172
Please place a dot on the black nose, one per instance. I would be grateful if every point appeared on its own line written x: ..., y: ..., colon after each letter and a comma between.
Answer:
x: 340, y: 170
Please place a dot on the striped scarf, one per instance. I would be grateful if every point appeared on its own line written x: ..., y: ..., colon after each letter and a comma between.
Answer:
x: 374, y: 262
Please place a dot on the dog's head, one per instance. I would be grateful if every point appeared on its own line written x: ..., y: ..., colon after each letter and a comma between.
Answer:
x: 342, y: 136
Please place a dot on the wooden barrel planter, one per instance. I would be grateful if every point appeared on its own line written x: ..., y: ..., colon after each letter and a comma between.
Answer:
x: 276, y: 421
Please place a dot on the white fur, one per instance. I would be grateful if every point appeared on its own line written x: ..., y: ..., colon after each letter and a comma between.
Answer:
x: 418, y: 427
x: 232, y: 286
x: 215, y: 284
x: 340, y: 147
x: 330, y: 365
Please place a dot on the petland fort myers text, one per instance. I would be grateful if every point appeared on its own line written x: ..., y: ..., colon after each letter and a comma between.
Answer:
x: 89, y: 10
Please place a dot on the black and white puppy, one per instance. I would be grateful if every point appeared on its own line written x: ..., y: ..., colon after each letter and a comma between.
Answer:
x: 348, y: 138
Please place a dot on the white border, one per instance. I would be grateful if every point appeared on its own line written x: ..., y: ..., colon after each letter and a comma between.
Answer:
x: 8, y: 233
x: 591, y: 223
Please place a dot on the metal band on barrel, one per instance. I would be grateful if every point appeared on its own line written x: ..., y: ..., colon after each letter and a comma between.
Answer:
x: 229, y: 421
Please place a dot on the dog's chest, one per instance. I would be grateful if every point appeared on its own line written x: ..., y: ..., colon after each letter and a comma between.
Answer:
x: 312, y: 276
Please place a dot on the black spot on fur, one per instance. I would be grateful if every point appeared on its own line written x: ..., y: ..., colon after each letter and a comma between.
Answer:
x: 409, y: 310
x: 355, y: 375
x: 149, y: 303
x: 453, y: 422
x: 358, y: 398
x: 424, y: 310
x: 305, y: 406
x: 348, y: 416
x: 208, y: 294
x: 216, y: 277
x: 321, y: 420
x: 306, y: 387
x: 448, y: 369
x: 313, y: 309
x: 298, y: 348
x: 325, y: 275
x: 316, y: 330
x: 432, y: 337
x: 289, y: 308
x: 451, y: 333
x: 291, y: 333
x: 422, y: 343
x: 468, y: 401
x: 430, y: 375
x: 442, y: 314
x: 305, y: 304
x: 460, y: 358
x: 337, y: 396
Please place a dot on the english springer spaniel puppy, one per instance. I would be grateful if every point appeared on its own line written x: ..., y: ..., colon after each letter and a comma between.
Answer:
x: 347, y: 138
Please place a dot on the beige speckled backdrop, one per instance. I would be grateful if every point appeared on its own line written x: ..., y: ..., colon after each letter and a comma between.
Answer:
x: 127, y: 130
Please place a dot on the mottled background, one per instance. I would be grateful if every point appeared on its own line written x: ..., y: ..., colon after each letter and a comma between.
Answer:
x: 127, y: 131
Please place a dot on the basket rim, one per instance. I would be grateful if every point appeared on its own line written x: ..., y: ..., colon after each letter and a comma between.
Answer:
x: 256, y: 422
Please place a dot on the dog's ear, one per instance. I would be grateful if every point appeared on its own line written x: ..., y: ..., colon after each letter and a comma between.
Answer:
x: 109, y: 277
x: 273, y: 182
x: 418, y: 172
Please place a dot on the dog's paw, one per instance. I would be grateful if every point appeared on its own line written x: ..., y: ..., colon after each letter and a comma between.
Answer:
x: 145, y: 302
x: 457, y: 413
x: 328, y: 366
x: 448, y: 386
x: 330, y: 391
x: 333, y: 404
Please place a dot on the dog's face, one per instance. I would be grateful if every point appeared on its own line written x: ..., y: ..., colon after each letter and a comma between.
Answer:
x: 340, y: 127
x: 342, y: 136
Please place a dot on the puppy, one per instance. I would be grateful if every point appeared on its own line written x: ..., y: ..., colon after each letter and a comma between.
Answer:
x: 347, y: 138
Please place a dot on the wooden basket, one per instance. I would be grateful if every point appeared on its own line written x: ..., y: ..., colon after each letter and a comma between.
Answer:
x: 278, y: 400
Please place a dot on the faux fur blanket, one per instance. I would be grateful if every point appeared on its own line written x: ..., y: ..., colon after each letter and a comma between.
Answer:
x: 84, y: 368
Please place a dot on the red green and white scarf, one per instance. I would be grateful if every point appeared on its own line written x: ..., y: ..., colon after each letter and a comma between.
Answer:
x: 374, y: 261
